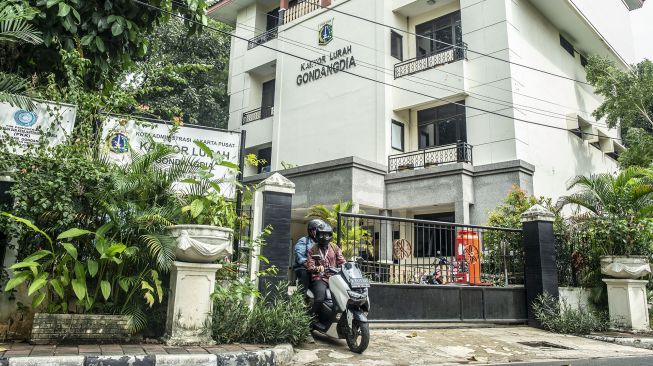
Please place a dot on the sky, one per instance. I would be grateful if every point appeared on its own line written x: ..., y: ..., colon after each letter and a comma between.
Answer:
x: 642, y: 24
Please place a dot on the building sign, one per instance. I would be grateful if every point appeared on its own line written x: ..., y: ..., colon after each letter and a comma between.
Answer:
x: 341, y: 59
x: 325, y: 31
x: 121, y: 137
x: 50, y: 124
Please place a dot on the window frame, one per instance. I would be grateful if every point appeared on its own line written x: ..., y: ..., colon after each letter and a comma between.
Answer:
x: 403, y: 134
x: 399, y: 38
x: 567, y: 46
x: 454, y: 24
x: 461, y: 125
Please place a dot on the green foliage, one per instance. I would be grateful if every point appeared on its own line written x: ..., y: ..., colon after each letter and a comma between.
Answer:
x: 566, y: 320
x: 184, y: 76
x: 283, y: 319
x: 63, y: 281
x: 109, y: 33
x: 628, y: 102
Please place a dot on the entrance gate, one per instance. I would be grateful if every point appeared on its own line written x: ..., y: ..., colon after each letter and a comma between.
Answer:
x: 432, y: 271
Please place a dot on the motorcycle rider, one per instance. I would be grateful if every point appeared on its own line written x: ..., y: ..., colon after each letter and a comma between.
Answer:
x: 301, y: 248
x: 330, y: 256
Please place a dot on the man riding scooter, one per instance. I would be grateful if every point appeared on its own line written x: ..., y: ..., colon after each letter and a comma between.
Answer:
x: 330, y: 256
x: 301, y: 248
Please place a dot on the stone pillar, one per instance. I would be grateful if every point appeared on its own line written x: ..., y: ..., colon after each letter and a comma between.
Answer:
x: 627, y: 302
x: 540, y: 271
x: 385, y: 239
x: 272, y: 204
x: 461, y: 212
x: 325, y: 3
x: 189, y: 305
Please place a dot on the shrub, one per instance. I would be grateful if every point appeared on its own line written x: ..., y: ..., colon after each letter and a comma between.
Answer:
x: 566, y: 320
x: 273, y: 320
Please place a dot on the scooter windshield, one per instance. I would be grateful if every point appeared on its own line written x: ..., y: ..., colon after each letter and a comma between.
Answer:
x: 350, y: 270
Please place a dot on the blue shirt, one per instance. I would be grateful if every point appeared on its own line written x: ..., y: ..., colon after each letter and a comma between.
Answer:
x: 302, y: 246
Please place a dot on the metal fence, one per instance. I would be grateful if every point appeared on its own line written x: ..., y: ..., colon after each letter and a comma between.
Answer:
x: 242, y: 235
x: 422, y: 63
x: 299, y: 9
x: 573, y: 260
x: 452, y: 153
x: 258, y: 114
x: 404, y: 251
x: 262, y: 38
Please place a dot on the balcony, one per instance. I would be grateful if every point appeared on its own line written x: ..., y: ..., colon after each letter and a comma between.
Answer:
x: 299, y: 9
x: 419, y: 64
x: 262, y: 38
x: 257, y: 114
x: 460, y: 152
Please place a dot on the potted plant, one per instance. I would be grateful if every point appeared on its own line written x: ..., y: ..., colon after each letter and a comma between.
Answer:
x: 617, y: 219
x: 204, y: 233
x: 79, y: 293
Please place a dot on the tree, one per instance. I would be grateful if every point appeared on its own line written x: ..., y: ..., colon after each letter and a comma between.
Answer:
x: 15, y: 29
x: 109, y: 33
x: 628, y: 102
x: 184, y: 76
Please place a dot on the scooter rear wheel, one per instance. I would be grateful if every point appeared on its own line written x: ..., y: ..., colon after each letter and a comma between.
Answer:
x: 358, y: 337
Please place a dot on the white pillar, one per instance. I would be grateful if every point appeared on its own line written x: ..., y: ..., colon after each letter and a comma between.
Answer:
x: 189, y: 305
x: 628, y: 303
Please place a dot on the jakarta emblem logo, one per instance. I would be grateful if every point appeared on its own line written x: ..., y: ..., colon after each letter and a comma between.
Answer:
x: 25, y: 118
x: 118, y: 141
x: 326, y: 32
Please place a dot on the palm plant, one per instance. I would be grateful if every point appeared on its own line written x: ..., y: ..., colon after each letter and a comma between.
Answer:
x: 14, y: 28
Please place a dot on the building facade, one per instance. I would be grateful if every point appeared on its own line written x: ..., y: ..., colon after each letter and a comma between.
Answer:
x: 427, y: 109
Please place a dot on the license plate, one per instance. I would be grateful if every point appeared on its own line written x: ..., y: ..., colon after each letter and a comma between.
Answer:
x: 360, y: 282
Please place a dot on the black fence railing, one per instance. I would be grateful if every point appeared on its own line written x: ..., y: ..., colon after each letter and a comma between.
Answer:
x: 419, y: 64
x: 403, y: 251
x: 574, y: 261
x: 262, y: 38
x: 301, y: 8
x: 460, y: 152
x: 258, y: 113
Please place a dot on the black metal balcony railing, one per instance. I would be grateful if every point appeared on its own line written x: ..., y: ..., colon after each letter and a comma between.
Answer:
x: 258, y: 113
x: 262, y: 38
x: 301, y: 8
x: 419, y: 64
x: 460, y: 152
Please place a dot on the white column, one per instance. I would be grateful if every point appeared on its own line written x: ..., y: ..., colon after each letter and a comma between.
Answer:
x: 628, y: 303
x: 190, y: 306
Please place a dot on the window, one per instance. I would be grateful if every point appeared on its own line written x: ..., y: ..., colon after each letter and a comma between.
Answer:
x: 272, y: 19
x: 442, y: 125
x: 397, y: 135
x: 439, y: 34
x: 583, y: 61
x: 267, y: 99
x: 567, y: 45
x: 396, y: 46
x: 265, y: 154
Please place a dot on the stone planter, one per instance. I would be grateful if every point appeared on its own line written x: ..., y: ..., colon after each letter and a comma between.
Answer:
x: 201, y: 243
x: 627, y: 267
x: 79, y: 328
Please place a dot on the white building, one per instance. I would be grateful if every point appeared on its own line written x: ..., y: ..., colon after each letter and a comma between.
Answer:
x: 372, y: 119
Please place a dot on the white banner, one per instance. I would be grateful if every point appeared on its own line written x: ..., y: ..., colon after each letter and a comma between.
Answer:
x: 20, y: 129
x: 120, y: 136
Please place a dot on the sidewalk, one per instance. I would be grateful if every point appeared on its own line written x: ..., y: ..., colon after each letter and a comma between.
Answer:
x: 143, y: 355
x: 514, y: 345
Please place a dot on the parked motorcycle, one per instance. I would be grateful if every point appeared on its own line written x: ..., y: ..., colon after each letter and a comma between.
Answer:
x: 347, y: 304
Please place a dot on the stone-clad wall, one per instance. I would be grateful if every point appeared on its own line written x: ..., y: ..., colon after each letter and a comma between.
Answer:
x: 79, y: 328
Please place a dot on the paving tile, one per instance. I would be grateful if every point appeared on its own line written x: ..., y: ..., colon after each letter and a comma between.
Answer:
x: 18, y: 353
x: 196, y: 350
x: 21, y: 345
x: 175, y: 350
x: 42, y: 351
x: 132, y: 349
x: 232, y: 347
x: 89, y: 349
x: 215, y: 350
x: 111, y: 349
x: 154, y: 349
x: 66, y: 351
x: 252, y: 347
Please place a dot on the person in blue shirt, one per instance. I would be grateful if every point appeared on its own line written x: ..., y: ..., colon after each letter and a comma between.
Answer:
x: 301, y: 248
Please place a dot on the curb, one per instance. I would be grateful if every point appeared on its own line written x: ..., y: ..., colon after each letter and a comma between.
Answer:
x: 646, y: 343
x: 280, y: 355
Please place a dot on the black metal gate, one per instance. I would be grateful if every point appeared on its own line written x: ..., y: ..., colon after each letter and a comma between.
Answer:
x: 433, y: 271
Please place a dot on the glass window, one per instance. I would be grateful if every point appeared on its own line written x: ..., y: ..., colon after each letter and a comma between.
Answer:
x: 442, y: 125
x: 396, y: 46
x: 397, y: 135
x: 567, y: 45
x: 265, y: 154
x: 439, y: 34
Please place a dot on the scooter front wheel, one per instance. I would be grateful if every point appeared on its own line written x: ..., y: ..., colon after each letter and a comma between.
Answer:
x: 358, y: 337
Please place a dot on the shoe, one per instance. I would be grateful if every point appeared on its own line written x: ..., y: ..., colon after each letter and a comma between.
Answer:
x: 320, y: 327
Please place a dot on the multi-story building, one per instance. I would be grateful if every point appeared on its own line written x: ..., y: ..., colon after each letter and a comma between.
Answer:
x: 423, y: 108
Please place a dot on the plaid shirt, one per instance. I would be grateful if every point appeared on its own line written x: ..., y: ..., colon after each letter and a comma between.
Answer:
x: 332, y: 258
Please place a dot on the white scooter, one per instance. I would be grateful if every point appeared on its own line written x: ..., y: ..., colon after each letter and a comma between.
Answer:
x: 347, y: 304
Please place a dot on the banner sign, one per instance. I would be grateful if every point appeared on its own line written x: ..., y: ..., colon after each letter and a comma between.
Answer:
x: 50, y: 122
x: 122, y: 136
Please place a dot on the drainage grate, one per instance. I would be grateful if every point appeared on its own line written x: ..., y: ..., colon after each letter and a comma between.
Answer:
x: 543, y: 345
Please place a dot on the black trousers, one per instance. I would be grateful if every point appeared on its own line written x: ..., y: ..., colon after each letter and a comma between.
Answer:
x: 303, y: 278
x: 319, y: 288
